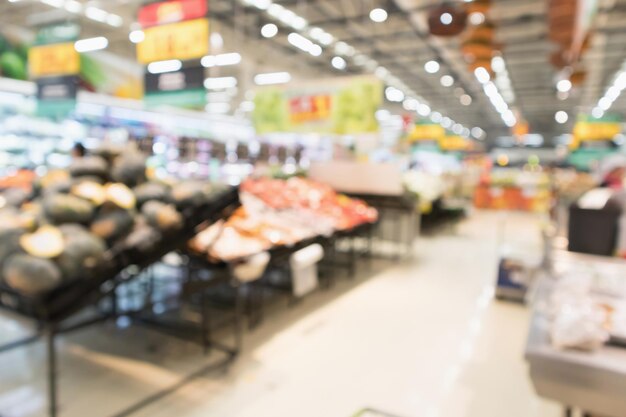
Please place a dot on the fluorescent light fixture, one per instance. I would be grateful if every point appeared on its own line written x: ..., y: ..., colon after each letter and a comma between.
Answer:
x: 436, y: 117
x: 605, y: 103
x: 382, y: 114
x: 447, y: 81
x: 114, y: 20
x: 73, y: 6
x: 231, y: 58
x: 561, y: 117
x: 275, y: 10
x: 272, y: 78
x: 216, y: 40
x: 259, y: 4
x: 300, y: 41
x: 378, y: 15
x: 269, y: 30
x: 160, y: 67
x: 497, y: 64
x: 315, y: 50
x: 91, y: 44
x: 218, y: 83
x: 465, y: 99
x: 342, y: 48
x: 394, y: 95
x: 445, y: 18
x: 432, y: 67
x: 564, y: 86
x: 53, y: 3
x: 299, y: 23
x: 482, y: 75
x: 96, y: 14
x: 137, y: 36
x: 446, y: 122
x: 477, y: 132
x: 597, y: 112
x: 410, y: 104
x: 457, y: 128
x: 339, y: 63
x: 423, y: 110
x: 477, y: 18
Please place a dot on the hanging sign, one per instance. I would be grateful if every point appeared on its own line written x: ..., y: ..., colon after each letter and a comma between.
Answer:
x: 345, y: 105
x: 428, y: 131
x: 171, y: 11
x: 592, y: 129
x: 454, y: 143
x: 57, y: 33
x: 182, y: 88
x: 53, y: 60
x: 56, y: 96
x: 184, y: 41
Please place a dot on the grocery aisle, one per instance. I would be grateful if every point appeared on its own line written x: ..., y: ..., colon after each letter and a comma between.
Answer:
x: 422, y: 338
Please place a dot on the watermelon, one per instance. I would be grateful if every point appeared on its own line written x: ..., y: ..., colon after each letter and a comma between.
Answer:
x: 10, y: 242
x: 190, y: 194
x: 162, y: 216
x: 31, y: 275
x: 144, y: 238
x: 151, y: 191
x: 119, y: 195
x: 90, y: 191
x: 46, y: 242
x: 113, y: 224
x: 83, y: 251
x: 130, y: 169
x: 90, y: 166
x: 13, y: 66
x: 64, y: 208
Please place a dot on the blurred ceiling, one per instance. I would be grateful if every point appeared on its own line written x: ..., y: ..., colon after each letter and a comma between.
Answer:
x: 401, y: 44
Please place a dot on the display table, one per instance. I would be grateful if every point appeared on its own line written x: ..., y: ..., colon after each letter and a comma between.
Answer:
x: 594, y: 382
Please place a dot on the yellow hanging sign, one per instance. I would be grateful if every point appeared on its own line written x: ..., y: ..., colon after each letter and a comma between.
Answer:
x: 427, y: 132
x: 454, y: 143
x: 184, y: 41
x: 53, y: 60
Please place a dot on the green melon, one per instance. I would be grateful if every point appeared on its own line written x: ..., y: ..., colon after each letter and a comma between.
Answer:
x: 130, y: 169
x: 64, y: 208
x: 151, y: 191
x: 82, y: 252
x: 92, y: 166
x: 31, y: 275
x: 112, y: 224
x: 13, y: 66
x: 162, y: 216
x: 10, y: 241
x: 144, y: 238
x: 190, y: 194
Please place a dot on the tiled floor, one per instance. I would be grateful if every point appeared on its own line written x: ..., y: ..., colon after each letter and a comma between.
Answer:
x: 420, y: 338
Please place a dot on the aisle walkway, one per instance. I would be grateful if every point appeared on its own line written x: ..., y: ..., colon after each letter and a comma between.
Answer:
x: 422, y: 338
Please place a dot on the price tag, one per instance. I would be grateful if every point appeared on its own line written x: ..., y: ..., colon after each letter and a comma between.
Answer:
x: 53, y: 60
x: 184, y: 41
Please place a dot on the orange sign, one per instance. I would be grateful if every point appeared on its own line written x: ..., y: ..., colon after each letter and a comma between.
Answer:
x: 53, y: 60
x: 309, y: 108
x: 184, y: 40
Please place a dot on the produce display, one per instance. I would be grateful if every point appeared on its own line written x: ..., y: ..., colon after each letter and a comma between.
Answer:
x: 76, y: 220
x: 281, y: 213
x: 514, y: 189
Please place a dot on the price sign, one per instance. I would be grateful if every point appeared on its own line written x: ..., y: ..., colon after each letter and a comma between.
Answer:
x: 171, y: 11
x: 53, y: 60
x: 310, y: 108
x: 184, y: 40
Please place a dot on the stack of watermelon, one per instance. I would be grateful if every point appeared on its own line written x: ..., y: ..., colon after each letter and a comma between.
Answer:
x: 13, y: 60
x: 62, y: 232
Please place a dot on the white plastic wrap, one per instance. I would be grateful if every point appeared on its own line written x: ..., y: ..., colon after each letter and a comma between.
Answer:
x: 579, y: 323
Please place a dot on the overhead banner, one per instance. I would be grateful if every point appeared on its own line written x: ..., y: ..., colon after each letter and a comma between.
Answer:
x: 344, y: 105
x: 426, y: 132
x: 171, y: 11
x: 592, y: 129
x: 56, y: 96
x: 183, y: 41
x: 184, y: 88
x: 53, y: 60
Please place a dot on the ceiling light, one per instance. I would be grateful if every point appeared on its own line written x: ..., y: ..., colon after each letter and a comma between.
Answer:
x: 432, y: 67
x: 436, y: 117
x: 91, y: 44
x: 114, y: 20
x: 259, y: 4
x: 299, y: 23
x: 231, y: 58
x: 378, y: 15
x: 272, y: 78
x: 482, y: 75
x: 216, y: 40
x: 381, y: 72
x: 410, y: 104
x: 423, y: 110
x: 561, y: 117
x: 597, y: 112
x: 218, y: 83
x: 219, y: 108
x: 447, y: 81
x: 54, y: 3
x: 457, y: 128
x: 446, y: 18
x: 269, y: 30
x: 393, y: 94
x: 564, y: 86
x: 605, y: 103
x: 562, y: 96
x: 275, y: 10
x: 465, y: 100
x: 465, y: 132
x: 497, y: 64
x: 164, y: 66
x: 446, y: 122
x: 315, y: 50
x: 137, y: 36
x: 477, y: 18
x: 96, y: 14
x: 477, y: 132
x: 382, y: 114
x: 299, y: 41
x: 342, y: 48
x: 325, y: 39
x: 73, y: 6
x: 338, y: 63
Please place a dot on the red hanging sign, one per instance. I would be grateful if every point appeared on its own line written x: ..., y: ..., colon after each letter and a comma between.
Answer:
x: 171, y: 11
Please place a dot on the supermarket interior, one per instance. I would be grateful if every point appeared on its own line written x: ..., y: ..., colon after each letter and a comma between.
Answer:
x: 312, y: 208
